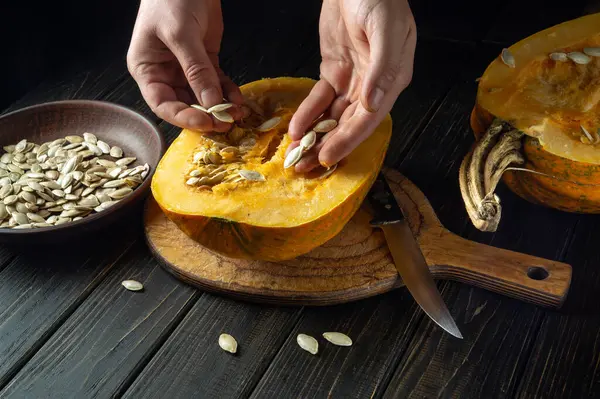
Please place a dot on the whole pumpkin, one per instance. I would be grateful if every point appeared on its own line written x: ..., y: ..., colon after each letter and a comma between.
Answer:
x: 249, y: 205
x: 536, y: 121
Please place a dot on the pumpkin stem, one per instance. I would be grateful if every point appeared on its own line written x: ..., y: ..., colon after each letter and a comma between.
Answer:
x: 482, y: 169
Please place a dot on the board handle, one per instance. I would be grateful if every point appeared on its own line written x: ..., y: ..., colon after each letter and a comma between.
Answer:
x: 532, y: 279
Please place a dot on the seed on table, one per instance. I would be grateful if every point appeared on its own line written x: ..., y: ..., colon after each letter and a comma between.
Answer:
x: 308, y: 343
x: 132, y: 285
x: 228, y: 343
x: 338, y: 338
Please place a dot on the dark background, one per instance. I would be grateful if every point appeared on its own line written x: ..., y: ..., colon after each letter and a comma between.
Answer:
x: 52, y: 39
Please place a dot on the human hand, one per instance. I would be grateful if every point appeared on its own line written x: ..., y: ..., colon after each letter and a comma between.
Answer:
x: 173, y: 56
x: 367, y: 47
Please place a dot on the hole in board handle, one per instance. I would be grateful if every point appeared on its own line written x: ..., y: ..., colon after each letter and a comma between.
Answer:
x: 537, y: 273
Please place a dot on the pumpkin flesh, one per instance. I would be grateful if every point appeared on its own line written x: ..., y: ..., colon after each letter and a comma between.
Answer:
x: 287, y: 214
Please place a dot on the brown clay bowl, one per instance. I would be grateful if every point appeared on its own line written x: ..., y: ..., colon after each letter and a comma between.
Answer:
x: 115, y: 124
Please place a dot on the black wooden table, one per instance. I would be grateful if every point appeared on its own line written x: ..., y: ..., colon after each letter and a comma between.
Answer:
x: 69, y: 329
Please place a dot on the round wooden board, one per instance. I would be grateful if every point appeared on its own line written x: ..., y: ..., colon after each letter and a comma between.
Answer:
x: 353, y: 265
x: 356, y: 263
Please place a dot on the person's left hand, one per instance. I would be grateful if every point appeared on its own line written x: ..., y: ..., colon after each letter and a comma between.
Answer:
x: 367, y: 49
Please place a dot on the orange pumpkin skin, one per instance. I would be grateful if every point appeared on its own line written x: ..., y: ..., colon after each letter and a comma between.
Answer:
x: 229, y: 232
x: 576, y: 187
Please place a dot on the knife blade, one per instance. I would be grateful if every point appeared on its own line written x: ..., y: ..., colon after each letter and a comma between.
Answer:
x: 408, y: 258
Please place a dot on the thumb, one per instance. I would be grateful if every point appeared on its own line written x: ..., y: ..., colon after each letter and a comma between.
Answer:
x: 390, y: 69
x: 199, y: 71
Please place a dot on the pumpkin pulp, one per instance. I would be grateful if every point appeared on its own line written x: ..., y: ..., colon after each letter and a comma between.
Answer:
x: 287, y: 214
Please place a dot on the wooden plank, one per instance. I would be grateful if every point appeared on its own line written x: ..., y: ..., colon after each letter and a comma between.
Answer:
x: 191, y: 363
x: 110, y: 336
x: 498, y: 331
x: 565, y: 359
x: 41, y: 288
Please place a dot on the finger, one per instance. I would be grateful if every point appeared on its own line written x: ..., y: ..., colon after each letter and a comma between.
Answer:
x: 337, y: 108
x: 316, y: 103
x: 231, y: 90
x: 390, y: 65
x: 198, y: 69
x: 164, y: 102
x: 349, y: 135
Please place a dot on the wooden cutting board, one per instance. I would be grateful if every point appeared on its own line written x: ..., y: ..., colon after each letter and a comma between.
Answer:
x: 356, y: 263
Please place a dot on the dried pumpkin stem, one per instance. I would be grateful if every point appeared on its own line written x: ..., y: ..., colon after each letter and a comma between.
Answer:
x: 481, y: 171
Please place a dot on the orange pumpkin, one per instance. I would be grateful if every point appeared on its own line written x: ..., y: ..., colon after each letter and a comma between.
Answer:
x: 536, y: 121
x: 281, y: 215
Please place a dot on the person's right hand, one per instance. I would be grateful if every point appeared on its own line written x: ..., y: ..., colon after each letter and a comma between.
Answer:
x: 173, y: 56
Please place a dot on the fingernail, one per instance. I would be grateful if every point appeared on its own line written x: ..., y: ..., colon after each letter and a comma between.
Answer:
x: 210, y: 97
x: 375, y: 99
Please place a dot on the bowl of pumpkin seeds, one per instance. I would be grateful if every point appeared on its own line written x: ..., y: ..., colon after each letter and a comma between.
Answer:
x: 72, y: 166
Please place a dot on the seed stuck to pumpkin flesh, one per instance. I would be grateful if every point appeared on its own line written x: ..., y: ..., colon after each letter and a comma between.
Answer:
x: 561, y: 57
x: 507, y: 58
x: 579, y: 58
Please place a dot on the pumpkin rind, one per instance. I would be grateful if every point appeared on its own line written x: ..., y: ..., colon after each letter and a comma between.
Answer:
x: 222, y: 225
x: 560, y: 170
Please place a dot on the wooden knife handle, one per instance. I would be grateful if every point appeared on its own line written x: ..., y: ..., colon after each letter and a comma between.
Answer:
x: 536, y: 280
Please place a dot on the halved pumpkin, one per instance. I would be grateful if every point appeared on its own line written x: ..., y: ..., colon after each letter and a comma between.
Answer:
x: 281, y: 214
x: 536, y: 122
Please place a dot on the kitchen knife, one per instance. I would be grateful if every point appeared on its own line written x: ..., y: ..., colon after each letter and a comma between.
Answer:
x: 407, y: 256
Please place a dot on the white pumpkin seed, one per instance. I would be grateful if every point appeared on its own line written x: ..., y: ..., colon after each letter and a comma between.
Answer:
x: 293, y: 157
x: 223, y: 116
x: 250, y: 175
x: 308, y: 141
x: 104, y: 147
x: 592, y: 51
x: 228, y: 343
x: 90, y: 138
x: 562, y: 57
x: 219, y: 108
x: 132, y: 285
x: 116, y: 152
x: 328, y: 171
x: 308, y: 343
x: 507, y: 58
x: 269, y: 124
x: 338, y: 338
x: 579, y: 58
x: 200, y: 107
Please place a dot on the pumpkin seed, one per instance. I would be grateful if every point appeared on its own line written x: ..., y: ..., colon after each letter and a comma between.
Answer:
x: 219, y: 108
x: 132, y: 285
x: 120, y: 193
x: 116, y: 152
x: 11, y: 199
x: 200, y: 107
x: 308, y: 141
x: 328, y: 171
x: 104, y: 147
x: 73, y: 139
x: 293, y: 157
x: 592, y: 51
x: 325, y: 126
x: 125, y: 161
x: 578, y: 57
x: 338, y: 338
x: 228, y: 343
x: 20, y: 218
x: 223, y: 116
x: 90, y: 138
x: 251, y: 175
x: 192, y: 181
x: 308, y: 343
x: 562, y: 57
x: 269, y: 124
x: 36, y: 218
x: 507, y: 58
